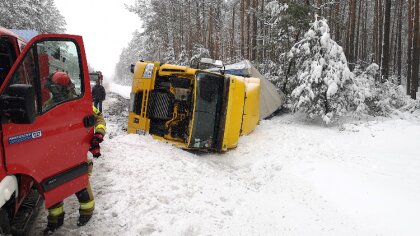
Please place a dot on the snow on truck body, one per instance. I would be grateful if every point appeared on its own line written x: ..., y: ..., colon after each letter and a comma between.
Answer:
x: 271, y: 98
x: 192, y: 108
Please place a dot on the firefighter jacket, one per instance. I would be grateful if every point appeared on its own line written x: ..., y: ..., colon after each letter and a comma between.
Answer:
x: 100, y: 125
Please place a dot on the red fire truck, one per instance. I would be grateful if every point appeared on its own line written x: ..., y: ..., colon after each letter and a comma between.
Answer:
x: 43, y: 149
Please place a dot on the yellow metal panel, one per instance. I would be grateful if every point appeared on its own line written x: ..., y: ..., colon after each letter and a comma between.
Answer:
x: 252, y: 105
x: 140, y: 84
x: 143, y: 124
x: 168, y: 69
x: 190, y: 126
x: 234, y: 112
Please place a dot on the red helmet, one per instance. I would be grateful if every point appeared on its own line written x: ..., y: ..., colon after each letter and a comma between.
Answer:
x: 61, y: 78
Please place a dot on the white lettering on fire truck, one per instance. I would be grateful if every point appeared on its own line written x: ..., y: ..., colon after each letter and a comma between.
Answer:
x: 25, y: 137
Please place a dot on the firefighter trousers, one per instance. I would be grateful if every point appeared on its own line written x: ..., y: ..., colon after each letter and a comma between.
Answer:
x: 85, y: 198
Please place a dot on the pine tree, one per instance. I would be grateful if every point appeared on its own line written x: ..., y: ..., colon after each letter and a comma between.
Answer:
x: 40, y: 15
x: 322, y: 82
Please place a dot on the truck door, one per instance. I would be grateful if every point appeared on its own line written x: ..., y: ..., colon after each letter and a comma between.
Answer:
x: 53, y: 148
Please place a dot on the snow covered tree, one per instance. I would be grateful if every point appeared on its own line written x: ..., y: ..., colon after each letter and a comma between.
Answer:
x: 136, y: 50
x: 198, y: 52
x: 169, y: 56
x: 321, y: 83
x: 53, y: 21
x: 40, y: 15
x: 283, y: 25
x: 380, y: 99
x: 183, y: 59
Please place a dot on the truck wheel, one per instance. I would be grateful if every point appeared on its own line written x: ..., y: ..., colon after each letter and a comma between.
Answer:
x: 4, y: 223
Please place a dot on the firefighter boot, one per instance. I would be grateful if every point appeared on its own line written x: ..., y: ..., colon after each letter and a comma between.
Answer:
x: 83, y: 220
x: 86, y: 212
x: 87, y: 205
x: 55, y: 218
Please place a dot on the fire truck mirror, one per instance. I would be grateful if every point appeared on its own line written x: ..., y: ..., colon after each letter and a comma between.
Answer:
x: 132, y: 68
x: 18, y: 104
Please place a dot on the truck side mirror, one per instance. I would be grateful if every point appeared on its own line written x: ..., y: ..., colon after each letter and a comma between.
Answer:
x: 18, y: 104
x: 132, y: 68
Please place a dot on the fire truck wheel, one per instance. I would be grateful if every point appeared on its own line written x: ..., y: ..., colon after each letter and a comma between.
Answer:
x: 4, y: 222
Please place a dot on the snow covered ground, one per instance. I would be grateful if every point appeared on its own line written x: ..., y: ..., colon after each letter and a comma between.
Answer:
x: 121, y: 90
x: 289, y: 177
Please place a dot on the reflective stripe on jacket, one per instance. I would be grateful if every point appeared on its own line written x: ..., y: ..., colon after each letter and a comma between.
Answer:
x: 100, y: 125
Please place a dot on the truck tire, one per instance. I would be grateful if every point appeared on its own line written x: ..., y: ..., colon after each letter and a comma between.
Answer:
x: 4, y: 222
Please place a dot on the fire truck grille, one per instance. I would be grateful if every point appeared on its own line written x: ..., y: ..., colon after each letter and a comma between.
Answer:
x: 160, y: 106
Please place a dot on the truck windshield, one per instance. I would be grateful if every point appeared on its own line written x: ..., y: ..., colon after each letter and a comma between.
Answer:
x: 208, y: 101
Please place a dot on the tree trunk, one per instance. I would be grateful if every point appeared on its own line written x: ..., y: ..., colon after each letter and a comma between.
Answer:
x: 381, y: 24
x: 356, y: 48
x: 337, y: 22
x: 399, y: 42
x: 254, y: 29
x: 376, y: 34
x: 394, y: 39
x: 343, y: 22
x: 318, y: 5
x: 262, y: 32
x: 203, y: 23
x: 243, y: 28
x: 232, y: 35
x: 217, y: 28
x: 248, y: 28
x: 416, y: 53
x: 365, y: 49
x: 350, y: 37
x: 385, y: 48
x: 210, y: 33
x: 198, y: 23
x: 409, y: 45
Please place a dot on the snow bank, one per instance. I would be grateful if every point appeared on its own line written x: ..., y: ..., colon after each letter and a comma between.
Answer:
x: 289, y: 177
x: 121, y: 90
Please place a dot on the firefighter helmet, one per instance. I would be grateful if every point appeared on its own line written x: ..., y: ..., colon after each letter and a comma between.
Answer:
x: 61, y: 87
x: 61, y: 78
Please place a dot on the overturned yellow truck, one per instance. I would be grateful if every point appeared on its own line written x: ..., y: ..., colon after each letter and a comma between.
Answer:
x: 199, y: 109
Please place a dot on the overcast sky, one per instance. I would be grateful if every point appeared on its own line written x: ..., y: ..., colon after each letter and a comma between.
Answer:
x: 106, y: 28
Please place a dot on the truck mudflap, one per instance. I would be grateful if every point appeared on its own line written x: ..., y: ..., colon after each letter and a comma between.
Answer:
x: 27, y: 213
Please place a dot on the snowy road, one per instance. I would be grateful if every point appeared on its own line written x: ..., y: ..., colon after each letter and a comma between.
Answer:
x: 289, y: 177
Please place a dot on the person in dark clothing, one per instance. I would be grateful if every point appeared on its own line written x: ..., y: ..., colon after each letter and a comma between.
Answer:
x: 98, y: 95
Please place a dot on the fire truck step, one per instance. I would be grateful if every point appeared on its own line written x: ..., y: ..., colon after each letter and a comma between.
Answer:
x: 27, y: 213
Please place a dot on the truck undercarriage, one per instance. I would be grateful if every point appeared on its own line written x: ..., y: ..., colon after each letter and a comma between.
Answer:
x: 25, y: 216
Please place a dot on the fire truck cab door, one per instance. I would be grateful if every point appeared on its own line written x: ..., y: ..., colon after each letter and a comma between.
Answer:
x: 53, y: 147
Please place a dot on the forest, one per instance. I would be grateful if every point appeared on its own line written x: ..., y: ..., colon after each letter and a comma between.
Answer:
x: 385, y: 32
x: 330, y: 57
x: 39, y: 15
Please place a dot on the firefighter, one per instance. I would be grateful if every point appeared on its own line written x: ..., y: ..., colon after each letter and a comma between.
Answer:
x: 61, y: 87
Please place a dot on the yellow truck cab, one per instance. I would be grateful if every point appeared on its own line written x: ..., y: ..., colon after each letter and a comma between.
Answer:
x: 192, y: 108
